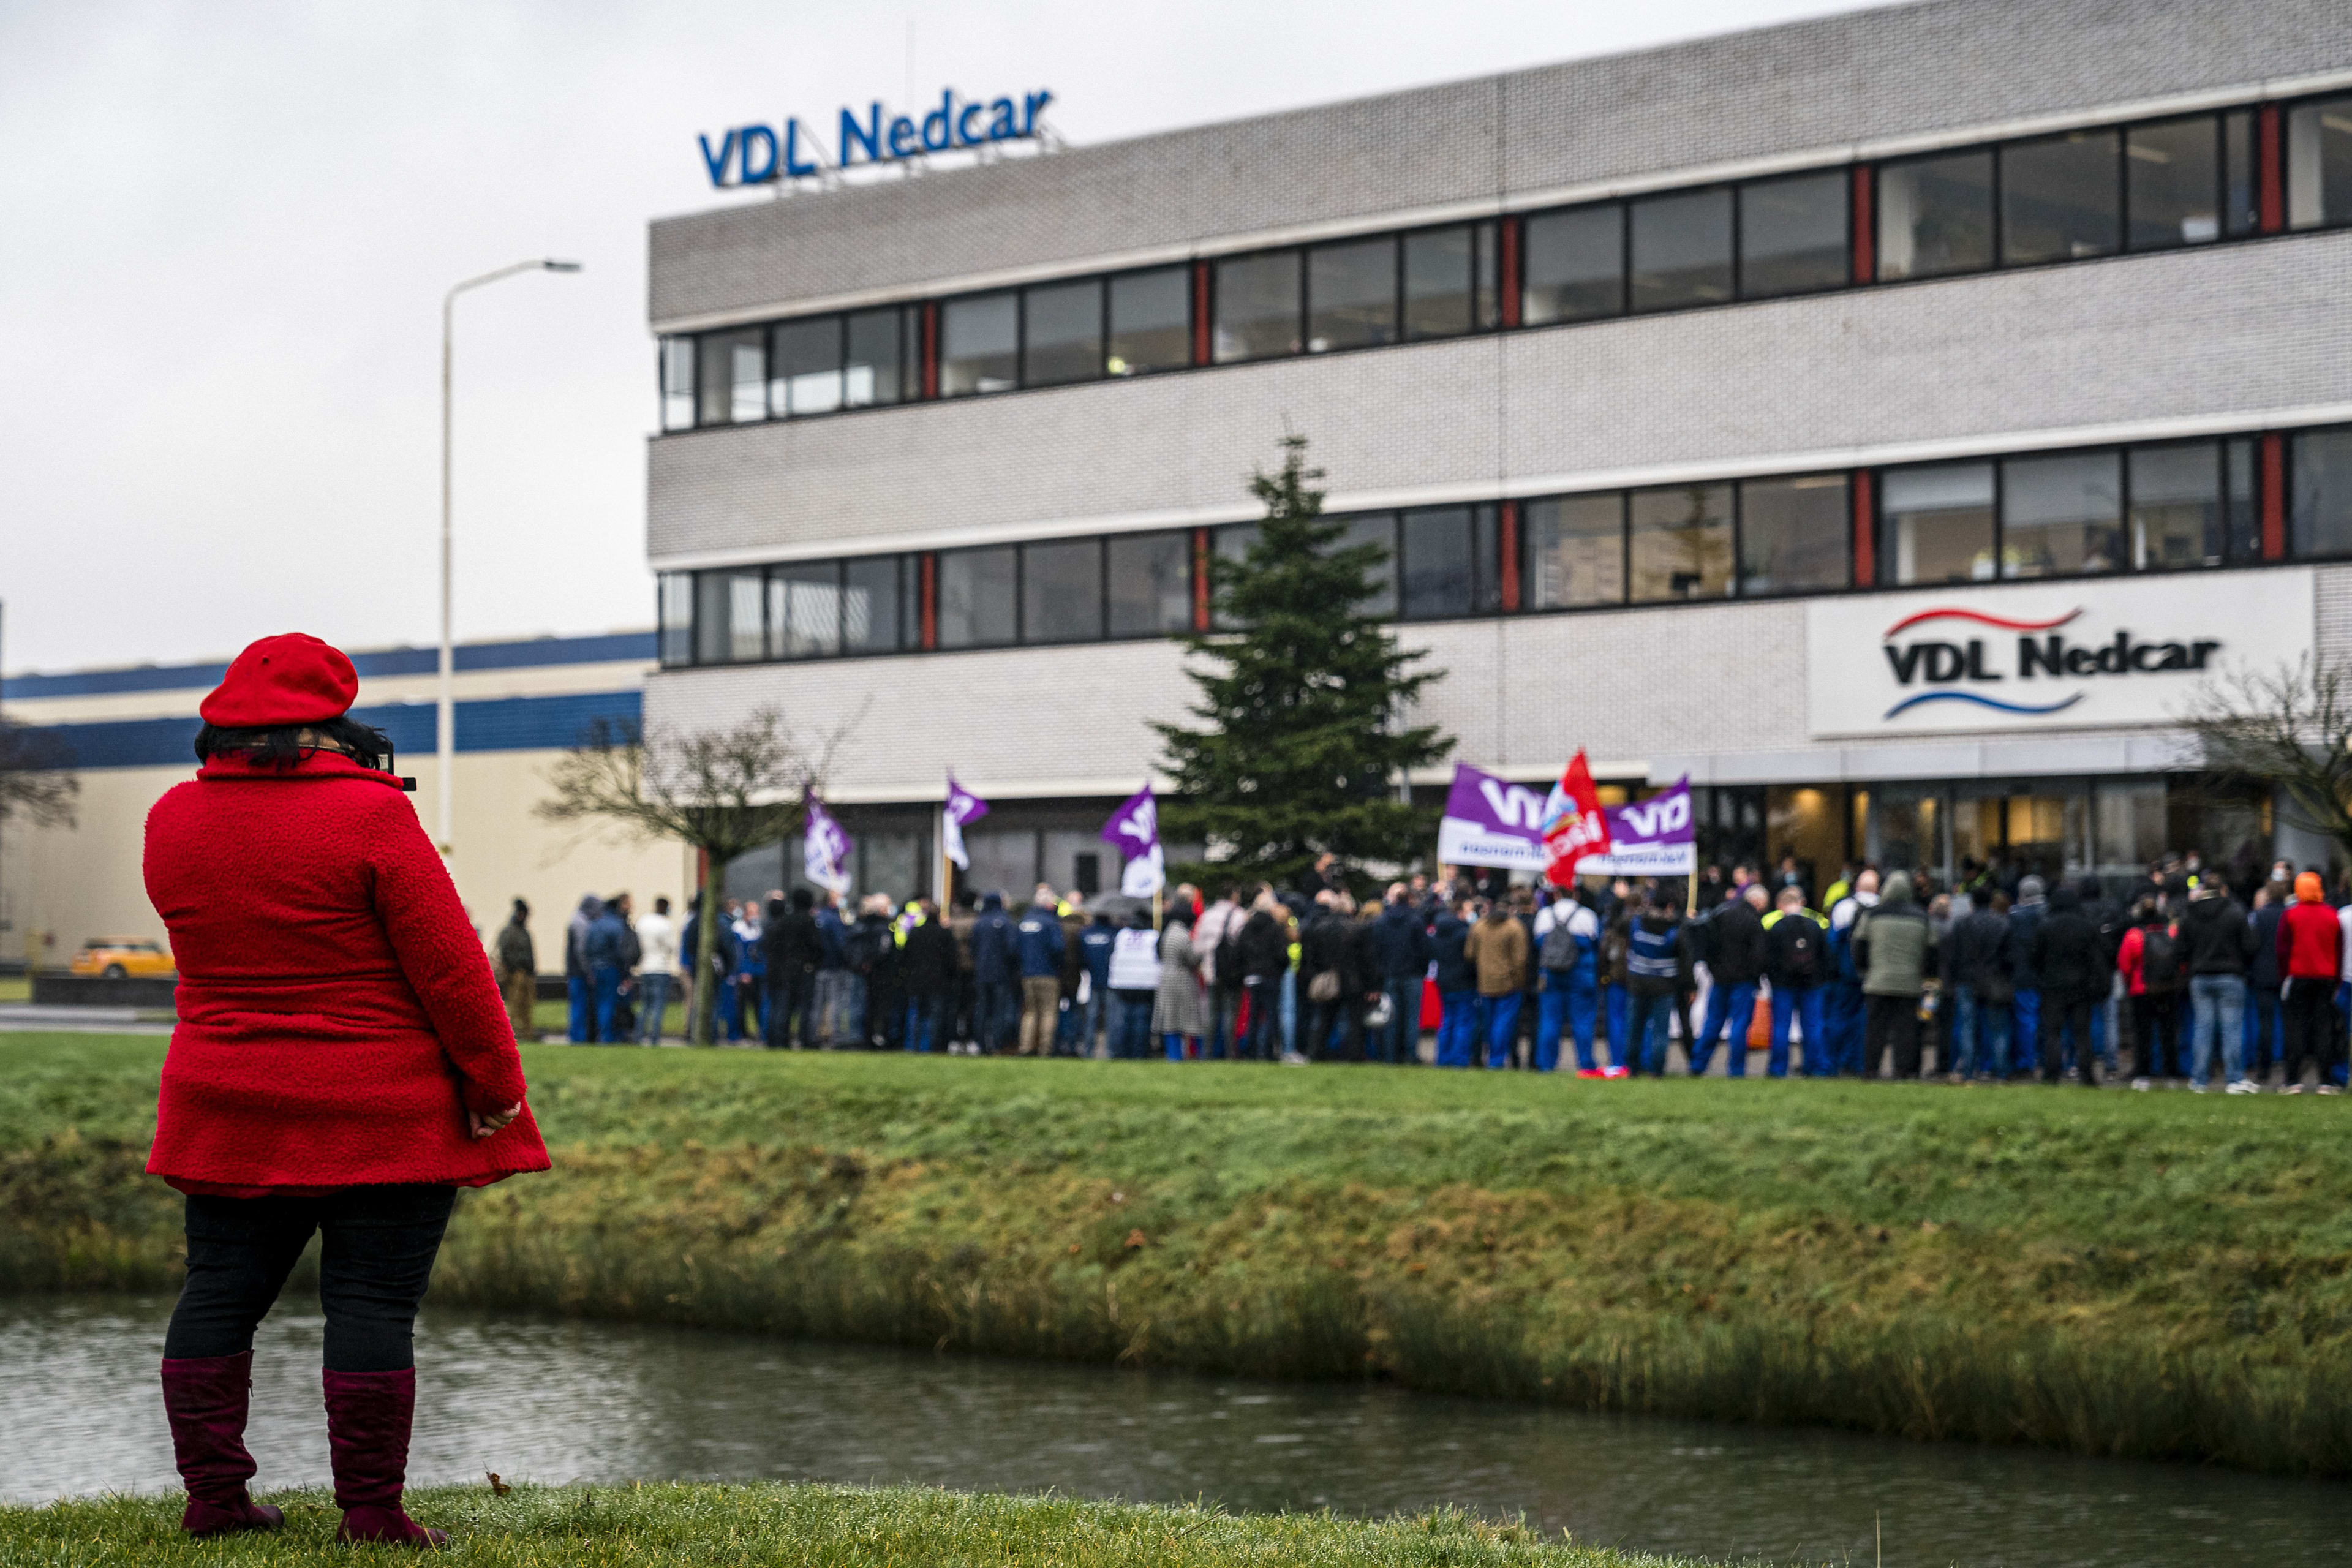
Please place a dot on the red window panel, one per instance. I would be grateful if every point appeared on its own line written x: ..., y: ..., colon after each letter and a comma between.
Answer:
x: 1506, y: 539
x: 930, y: 586
x: 2273, y: 497
x: 1509, y: 270
x: 1201, y: 580
x: 1200, y: 312
x: 2269, y: 176
x: 930, y: 355
x: 1865, y: 224
x: 1866, y: 528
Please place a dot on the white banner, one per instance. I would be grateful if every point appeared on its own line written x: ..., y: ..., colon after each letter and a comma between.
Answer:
x: 2063, y: 655
x: 1643, y: 861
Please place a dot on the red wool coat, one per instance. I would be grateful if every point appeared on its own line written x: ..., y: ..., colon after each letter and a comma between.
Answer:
x: 337, y: 1016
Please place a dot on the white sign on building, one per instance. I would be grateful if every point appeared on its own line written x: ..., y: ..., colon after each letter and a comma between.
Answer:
x: 2129, y: 651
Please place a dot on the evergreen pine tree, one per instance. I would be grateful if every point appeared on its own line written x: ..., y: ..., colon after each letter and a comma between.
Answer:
x: 1303, y: 707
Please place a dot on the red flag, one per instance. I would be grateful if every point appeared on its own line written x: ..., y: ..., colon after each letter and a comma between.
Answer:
x: 1576, y: 827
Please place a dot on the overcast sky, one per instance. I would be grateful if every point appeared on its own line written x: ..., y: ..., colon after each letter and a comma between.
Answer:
x: 229, y: 228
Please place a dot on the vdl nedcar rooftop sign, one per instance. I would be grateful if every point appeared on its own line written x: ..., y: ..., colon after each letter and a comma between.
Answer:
x: 757, y: 154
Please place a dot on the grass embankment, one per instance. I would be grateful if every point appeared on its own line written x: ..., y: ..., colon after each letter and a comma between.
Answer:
x: 587, y: 1527
x: 2147, y: 1275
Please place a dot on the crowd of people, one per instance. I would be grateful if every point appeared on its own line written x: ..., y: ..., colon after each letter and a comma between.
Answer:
x: 2006, y: 976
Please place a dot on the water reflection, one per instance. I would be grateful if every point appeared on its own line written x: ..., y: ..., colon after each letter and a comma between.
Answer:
x: 562, y: 1402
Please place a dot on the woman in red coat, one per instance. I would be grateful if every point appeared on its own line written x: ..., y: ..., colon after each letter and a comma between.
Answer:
x: 343, y: 1065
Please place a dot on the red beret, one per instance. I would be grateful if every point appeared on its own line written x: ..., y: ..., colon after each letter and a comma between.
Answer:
x: 282, y: 680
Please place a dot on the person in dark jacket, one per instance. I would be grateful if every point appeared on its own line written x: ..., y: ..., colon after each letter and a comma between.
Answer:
x: 2265, y: 1040
x: 1796, y: 957
x: 2065, y: 952
x: 1895, y: 950
x: 2110, y: 917
x: 928, y: 969
x: 2219, y: 944
x: 1457, y: 983
x: 1265, y: 950
x: 1978, y: 980
x: 1656, y: 946
x: 1322, y: 976
x: 517, y: 959
x: 579, y: 987
x: 833, y: 976
x: 2025, y: 1009
x: 1037, y: 943
x: 1400, y: 941
x: 995, y: 976
x: 605, y: 950
x: 793, y: 952
x: 1736, y: 949
x: 1094, y: 945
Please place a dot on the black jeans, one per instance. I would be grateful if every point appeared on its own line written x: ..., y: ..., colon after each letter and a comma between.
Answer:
x: 376, y: 1246
x: 2063, y: 1012
x: 1892, y: 1024
x: 2310, y: 1027
x: 791, y: 994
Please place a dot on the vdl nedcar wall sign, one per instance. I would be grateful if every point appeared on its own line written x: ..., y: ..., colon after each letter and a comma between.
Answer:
x: 2025, y: 656
x: 758, y: 154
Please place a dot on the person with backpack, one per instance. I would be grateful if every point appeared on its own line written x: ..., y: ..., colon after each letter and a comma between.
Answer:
x: 1895, y: 951
x: 2072, y: 963
x: 927, y: 969
x: 1568, y: 950
x: 2220, y: 942
x: 1796, y: 950
x: 1654, y: 972
x: 1977, y: 969
x: 1736, y: 960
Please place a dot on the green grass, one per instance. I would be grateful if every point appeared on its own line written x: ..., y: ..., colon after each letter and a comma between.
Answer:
x: 585, y: 1527
x: 2141, y: 1274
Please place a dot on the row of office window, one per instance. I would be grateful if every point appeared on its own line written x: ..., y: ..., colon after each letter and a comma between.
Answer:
x: 2147, y: 186
x: 2160, y: 506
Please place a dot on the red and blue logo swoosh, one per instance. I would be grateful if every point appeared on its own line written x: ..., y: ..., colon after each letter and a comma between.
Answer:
x: 2002, y: 622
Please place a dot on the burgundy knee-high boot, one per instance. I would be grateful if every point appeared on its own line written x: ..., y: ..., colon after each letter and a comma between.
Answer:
x: 368, y: 1417
x: 206, y: 1399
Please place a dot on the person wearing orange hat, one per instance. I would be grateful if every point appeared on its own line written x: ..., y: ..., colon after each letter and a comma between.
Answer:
x: 2310, y: 953
x: 343, y: 1064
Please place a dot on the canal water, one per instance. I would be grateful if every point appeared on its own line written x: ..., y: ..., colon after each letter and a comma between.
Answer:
x: 564, y: 1401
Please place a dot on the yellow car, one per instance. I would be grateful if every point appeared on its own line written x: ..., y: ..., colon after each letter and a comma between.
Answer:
x: 117, y: 957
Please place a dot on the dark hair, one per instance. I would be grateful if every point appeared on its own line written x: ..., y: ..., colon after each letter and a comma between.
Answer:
x: 282, y: 747
x: 661, y: 906
x: 803, y: 900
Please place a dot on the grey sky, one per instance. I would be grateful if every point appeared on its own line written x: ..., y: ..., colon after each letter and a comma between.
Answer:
x: 230, y: 225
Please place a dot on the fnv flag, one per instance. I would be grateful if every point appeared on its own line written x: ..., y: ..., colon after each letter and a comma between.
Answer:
x: 962, y: 807
x: 824, y: 849
x: 1574, y: 825
x: 1134, y: 827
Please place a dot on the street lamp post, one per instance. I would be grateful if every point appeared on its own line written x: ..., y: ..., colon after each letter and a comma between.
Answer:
x: 445, y: 717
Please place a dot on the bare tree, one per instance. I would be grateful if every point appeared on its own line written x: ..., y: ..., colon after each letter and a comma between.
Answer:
x: 722, y: 792
x: 37, y: 781
x: 2289, y: 726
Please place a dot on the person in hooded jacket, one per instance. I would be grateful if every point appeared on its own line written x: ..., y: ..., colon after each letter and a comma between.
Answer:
x: 342, y: 1065
x: 2067, y: 955
x: 995, y: 976
x: 2310, y: 946
x: 1896, y: 953
x: 2265, y: 1040
x: 579, y: 987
